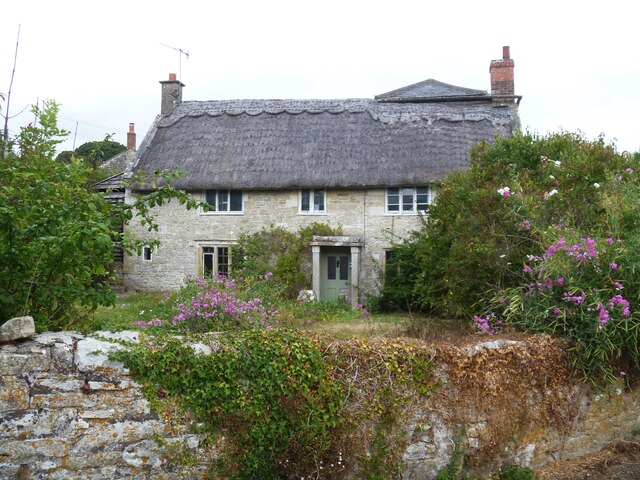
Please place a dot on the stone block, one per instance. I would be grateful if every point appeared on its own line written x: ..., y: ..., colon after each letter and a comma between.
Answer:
x: 14, y: 394
x: 17, y: 329
x: 34, y: 450
x: 38, y: 423
x: 93, y: 355
x: 26, y: 357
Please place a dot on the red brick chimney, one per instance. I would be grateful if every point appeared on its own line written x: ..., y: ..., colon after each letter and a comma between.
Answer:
x: 502, y: 84
x: 131, y: 137
x: 171, y: 94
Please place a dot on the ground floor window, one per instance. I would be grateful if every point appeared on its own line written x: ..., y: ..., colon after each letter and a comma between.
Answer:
x: 215, y: 261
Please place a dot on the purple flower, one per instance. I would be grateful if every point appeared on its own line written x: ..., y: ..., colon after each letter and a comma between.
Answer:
x: 560, y: 281
x: 527, y: 269
x: 526, y: 224
x: 614, y: 266
x: 610, y: 241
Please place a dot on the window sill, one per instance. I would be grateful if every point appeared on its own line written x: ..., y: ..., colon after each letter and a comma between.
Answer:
x: 213, y: 214
x: 312, y: 213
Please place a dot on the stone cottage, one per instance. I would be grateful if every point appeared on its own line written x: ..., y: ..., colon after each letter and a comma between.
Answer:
x: 369, y: 166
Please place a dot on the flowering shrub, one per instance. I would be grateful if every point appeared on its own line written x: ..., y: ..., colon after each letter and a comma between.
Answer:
x: 576, y: 289
x: 218, y: 305
x: 486, y: 220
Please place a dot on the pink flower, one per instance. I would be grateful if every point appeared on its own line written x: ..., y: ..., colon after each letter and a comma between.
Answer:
x: 527, y: 269
x: 614, y: 266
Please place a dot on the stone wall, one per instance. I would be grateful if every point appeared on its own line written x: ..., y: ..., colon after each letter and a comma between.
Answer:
x: 360, y: 213
x: 69, y: 413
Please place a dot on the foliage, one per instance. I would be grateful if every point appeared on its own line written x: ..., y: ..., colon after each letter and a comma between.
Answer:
x: 56, y: 240
x: 219, y: 305
x: 278, y: 250
x: 513, y: 472
x: 578, y: 288
x: 94, y: 153
x: 288, y: 405
x: 473, y: 242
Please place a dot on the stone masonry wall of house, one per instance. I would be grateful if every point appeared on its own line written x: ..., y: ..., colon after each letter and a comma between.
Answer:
x: 360, y: 213
x: 67, y: 412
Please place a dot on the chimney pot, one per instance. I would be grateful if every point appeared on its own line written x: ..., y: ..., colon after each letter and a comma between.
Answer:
x: 172, y: 77
x: 131, y: 137
x: 505, y: 53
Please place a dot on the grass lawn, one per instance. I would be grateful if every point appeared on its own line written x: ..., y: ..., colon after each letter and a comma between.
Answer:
x: 332, y: 319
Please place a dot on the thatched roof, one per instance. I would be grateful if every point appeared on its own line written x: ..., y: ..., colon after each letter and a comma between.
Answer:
x: 274, y: 144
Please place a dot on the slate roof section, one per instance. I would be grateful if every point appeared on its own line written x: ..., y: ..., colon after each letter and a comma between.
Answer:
x: 431, y: 91
x: 280, y: 144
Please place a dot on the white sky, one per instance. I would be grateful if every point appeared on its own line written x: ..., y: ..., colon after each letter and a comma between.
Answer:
x: 577, y: 62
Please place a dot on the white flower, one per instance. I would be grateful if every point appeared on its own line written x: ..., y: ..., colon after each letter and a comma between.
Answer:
x: 552, y: 177
x: 504, y: 191
x: 596, y: 185
x: 502, y: 256
x: 550, y: 194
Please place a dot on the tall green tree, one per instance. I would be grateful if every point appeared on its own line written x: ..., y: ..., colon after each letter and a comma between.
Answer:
x: 56, y: 240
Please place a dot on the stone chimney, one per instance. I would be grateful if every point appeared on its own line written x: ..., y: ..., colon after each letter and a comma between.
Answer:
x: 171, y: 94
x: 131, y: 137
x: 502, y: 84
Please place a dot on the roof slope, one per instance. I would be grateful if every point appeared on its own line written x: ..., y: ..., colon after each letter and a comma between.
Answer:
x: 274, y: 144
x: 431, y: 91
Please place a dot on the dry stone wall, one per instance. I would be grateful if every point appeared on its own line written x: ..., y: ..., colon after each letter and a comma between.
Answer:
x: 68, y: 412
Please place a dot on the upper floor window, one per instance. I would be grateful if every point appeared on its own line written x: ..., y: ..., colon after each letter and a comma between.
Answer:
x: 224, y: 201
x: 312, y: 201
x: 408, y: 200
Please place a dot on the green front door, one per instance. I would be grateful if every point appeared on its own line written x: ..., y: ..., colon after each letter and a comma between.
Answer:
x: 335, y: 268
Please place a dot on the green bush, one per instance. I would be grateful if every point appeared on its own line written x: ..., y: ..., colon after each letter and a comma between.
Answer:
x: 284, y: 253
x: 474, y: 243
x: 541, y: 233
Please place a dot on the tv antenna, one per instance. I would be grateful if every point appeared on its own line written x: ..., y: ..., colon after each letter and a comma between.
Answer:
x: 180, y: 52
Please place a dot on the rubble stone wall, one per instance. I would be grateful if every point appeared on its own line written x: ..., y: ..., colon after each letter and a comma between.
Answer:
x: 68, y: 412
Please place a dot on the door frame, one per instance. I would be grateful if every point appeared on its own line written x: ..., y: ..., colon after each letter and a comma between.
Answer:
x: 354, y: 244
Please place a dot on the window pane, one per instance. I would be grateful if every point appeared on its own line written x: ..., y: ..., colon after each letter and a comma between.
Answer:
x: 223, y: 200
x: 422, y: 198
x: 207, y: 262
x: 223, y: 261
x: 407, y: 199
x: 344, y: 268
x: 236, y: 200
x: 305, y: 202
x: 318, y: 201
x: 146, y: 253
x: 393, y: 199
x: 331, y: 274
x: 210, y: 197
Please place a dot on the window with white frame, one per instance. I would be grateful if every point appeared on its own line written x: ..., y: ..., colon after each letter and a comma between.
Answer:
x: 408, y: 200
x: 215, y: 260
x: 224, y: 201
x: 312, y: 201
x: 146, y: 254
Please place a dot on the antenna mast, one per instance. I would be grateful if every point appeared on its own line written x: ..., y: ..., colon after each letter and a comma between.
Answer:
x: 180, y: 53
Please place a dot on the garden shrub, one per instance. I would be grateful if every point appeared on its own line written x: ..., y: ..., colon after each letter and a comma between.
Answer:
x: 285, y: 253
x: 472, y: 243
